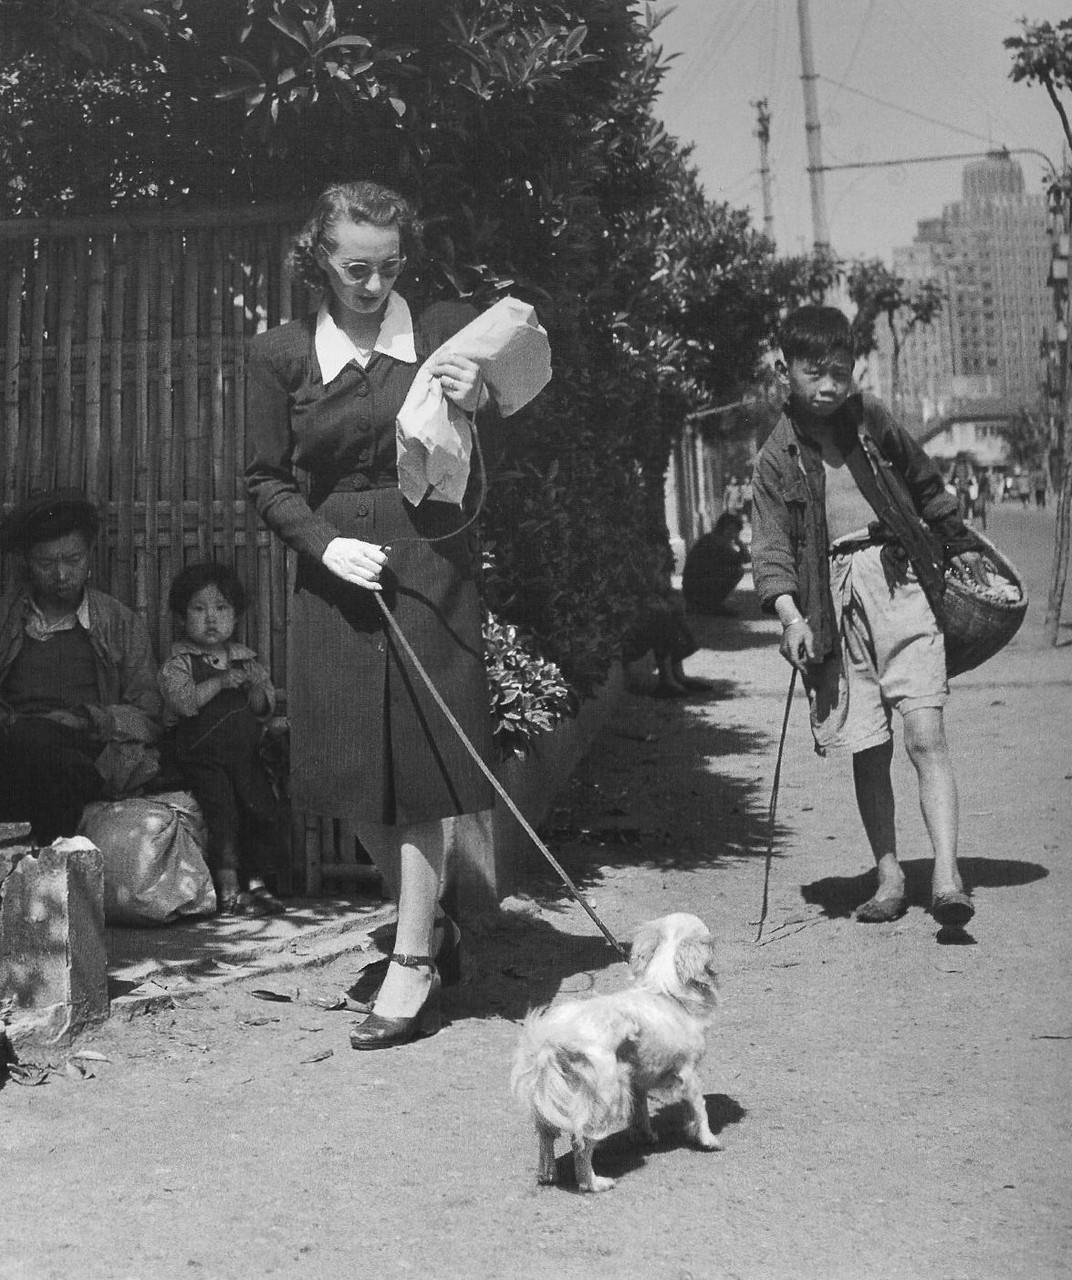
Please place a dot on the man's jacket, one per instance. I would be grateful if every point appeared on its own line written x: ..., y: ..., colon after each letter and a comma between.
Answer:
x: 126, y: 716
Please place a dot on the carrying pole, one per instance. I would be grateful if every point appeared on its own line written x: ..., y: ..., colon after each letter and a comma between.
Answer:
x: 773, y: 810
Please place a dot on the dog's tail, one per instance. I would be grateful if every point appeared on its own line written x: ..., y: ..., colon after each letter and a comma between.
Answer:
x: 573, y: 1086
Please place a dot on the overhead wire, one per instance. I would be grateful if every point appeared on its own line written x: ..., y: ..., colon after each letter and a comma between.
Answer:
x: 859, y: 41
x: 702, y: 57
x: 918, y: 115
x: 938, y: 53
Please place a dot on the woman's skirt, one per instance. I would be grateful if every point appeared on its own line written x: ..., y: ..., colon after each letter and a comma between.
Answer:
x: 368, y: 742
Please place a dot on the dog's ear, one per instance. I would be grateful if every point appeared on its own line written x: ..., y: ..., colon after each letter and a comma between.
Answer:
x: 694, y: 961
x: 645, y: 941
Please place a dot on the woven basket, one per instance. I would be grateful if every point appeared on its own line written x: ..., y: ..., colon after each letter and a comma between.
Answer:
x: 978, y: 624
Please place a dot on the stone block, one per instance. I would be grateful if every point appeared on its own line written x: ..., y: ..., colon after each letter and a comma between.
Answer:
x: 53, y: 962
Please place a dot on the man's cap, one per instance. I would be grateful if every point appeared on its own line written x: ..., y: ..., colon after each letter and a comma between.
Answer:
x: 48, y: 514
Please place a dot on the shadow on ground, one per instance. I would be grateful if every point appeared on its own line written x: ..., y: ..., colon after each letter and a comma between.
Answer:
x: 621, y: 1154
x: 839, y: 896
x: 669, y: 783
x: 517, y: 961
x: 732, y: 632
x: 199, y: 945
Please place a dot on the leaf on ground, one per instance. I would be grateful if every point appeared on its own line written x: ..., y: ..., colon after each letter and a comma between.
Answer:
x: 257, y: 1022
x: 75, y: 1071
x: 261, y: 993
x: 90, y: 1055
x: 319, y: 1057
x: 27, y: 1073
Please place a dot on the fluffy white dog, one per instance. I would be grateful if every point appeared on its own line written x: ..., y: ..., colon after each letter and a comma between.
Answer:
x: 585, y: 1067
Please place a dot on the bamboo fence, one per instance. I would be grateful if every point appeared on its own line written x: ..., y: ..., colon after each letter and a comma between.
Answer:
x: 123, y: 366
x: 123, y: 369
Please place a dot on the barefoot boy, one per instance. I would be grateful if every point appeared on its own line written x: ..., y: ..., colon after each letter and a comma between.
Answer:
x: 852, y: 529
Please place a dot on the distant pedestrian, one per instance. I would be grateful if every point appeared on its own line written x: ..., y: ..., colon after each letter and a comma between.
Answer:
x: 853, y: 593
x: 1021, y: 483
x: 1038, y: 483
x: 733, y: 497
x: 714, y: 565
x: 984, y: 498
x: 661, y: 630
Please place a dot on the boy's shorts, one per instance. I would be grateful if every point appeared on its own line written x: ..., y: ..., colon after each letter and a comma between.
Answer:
x: 893, y: 654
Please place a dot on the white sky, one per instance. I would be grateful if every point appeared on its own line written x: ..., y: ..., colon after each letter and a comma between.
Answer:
x: 942, y: 59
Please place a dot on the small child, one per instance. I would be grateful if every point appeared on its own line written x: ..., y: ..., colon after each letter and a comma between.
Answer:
x: 853, y: 530
x: 217, y: 696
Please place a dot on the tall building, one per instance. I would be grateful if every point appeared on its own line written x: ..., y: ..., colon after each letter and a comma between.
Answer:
x: 990, y: 251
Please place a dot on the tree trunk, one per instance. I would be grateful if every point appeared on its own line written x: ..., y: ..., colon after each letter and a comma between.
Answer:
x: 1059, y: 573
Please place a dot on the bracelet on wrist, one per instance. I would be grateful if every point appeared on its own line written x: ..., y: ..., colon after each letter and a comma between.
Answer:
x: 792, y: 622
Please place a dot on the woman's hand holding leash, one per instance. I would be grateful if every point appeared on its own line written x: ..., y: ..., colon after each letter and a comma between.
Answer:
x: 355, y: 561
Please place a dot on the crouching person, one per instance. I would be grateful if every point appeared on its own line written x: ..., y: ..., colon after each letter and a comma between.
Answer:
x: 852, y: 531
x: 79, y: 704
x: 218, y: 697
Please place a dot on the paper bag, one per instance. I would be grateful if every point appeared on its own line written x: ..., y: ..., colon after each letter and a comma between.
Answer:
x: 433, y: 435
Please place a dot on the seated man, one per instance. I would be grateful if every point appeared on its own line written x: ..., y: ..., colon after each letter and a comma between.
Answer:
x: 79, y: 704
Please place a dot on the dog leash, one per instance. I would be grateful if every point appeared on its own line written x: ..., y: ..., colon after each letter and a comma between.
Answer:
x: 499, y: 788
x: 452, y: 720
x: 774, y: 807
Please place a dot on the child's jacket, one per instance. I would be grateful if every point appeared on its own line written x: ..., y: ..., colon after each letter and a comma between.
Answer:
x: 187, y: 667
x: 790, y: 544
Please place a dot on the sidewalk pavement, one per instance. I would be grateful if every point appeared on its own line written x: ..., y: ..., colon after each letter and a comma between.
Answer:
x: 152, y: 968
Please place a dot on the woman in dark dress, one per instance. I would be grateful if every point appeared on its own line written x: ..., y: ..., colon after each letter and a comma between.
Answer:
x: 369, y: 743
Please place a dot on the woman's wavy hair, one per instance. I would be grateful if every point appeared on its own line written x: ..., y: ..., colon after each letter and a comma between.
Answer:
x: 352, y: 202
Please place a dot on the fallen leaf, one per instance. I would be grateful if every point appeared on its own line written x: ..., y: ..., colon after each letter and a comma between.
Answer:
x: 257, y: 1022
x: 90, y: 1055
x: 319, y: 1057
x: 262, y: 994
x: 75, y: 1071
x: 27, y: 1073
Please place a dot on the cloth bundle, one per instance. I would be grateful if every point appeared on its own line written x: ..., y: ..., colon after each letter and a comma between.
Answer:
x: 433, y: 434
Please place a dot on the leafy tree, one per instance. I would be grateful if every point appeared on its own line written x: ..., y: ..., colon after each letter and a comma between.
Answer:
x: 525, y: 129
x: 1043, y: 55
x: 880, y: 294
x: 82, y: 34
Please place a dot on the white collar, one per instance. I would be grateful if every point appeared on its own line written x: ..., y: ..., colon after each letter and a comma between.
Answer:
x: 37, y: 627
x: 335, y: 349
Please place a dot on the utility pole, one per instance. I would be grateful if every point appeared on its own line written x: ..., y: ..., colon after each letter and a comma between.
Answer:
x: 821, y: 230
x: 763, y: 134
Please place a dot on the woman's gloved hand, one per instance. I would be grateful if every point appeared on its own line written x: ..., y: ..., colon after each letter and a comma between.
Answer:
x: 355, y: 561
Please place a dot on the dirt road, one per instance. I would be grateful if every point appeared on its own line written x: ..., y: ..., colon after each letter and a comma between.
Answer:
x: 892, y: 1108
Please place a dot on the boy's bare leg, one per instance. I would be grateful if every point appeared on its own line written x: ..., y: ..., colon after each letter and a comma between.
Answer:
x: 925, y: 742
x: 874, y: 799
